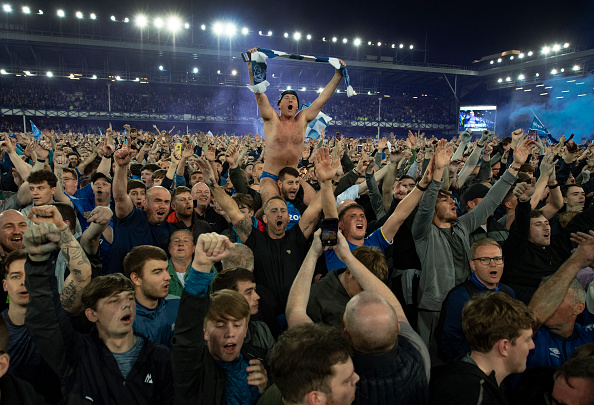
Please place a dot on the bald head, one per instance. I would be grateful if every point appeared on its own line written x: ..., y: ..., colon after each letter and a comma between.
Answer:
x: 12, y: 227
x: 157, y: 206
x: 366, y: 312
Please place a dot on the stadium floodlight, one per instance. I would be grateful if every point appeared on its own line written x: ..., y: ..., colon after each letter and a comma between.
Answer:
x: 357, y: 41
x: 368, y: 42
x: 308, y: 36
x: 379, y: 44
x: 491, y: 62
x: 303, y: 88
x: 4, y: 72
x: 230, y: 29
x: 50, y: 74
x: 219, y: 72
x: 286, y: 35
x: 344, y: 40
x: 508, y: 79
x: 93, y: 16
x: 7, y: 8
x: 499, y: 60
x: 546, y: 50
x: 234, y: 72
x: 288, y: 87
x: 321, y: 89
x: 521, y: 77
x: 297, y: 36
x: 71, y: 75
x: 26, y: 10
x: 40, y: 12
x: 61, y: 13
x: 538, y: 74
x: 554, y: 72
x: 158, y: 22
x: 511, y: 57
x: 411, y: 47
x: 245, y: 31
x: 562, y: 70
x: 401, y: 46
x: 393, y: 46
x: 137, y: 79
x: 576, y: 68
x: 500, y: 80
x: 203, y: 27
x: 530, y: 53
x: 187, y: 25
x: 173, y: 24
x: 141, y: 21
x: 195, y: 70
x: 94, y: 77
x: 118, y: 78
x: 521, y: 56
x: 556, y: 47
x: 217, y: 28
x: 269, y: 33
x: 334, y: 39
x: 79, y: 14
x: 566, y: 45
x: 126, y: 20
x: 112, y: 18
x: 160, y: 67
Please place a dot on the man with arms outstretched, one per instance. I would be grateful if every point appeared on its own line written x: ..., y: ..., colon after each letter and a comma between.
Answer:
x: 285, y: 132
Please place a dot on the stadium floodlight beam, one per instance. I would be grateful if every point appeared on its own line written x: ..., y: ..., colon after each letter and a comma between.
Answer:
x: 245, y: 31
x: 93, y: 16
x: 530, y: 53
x: 297, y: 36
x: 50, y: 74
x: 203, y: 27
x: 357, y: 41
x: 521, y: 77
x: 173, y: 24
x: 160, y: 67
x: 61, y: 13
x: 286, y: 35
x: 112, y: 18
x: 521, y: 56
x: 141, y: 21
x: 334, y: 39
x: 344, y: 40
x: 230, y: 29
x: 4, y: 72
x: 7, y: 8
x: 556, y: 47
x: 217, y: 28
x: 195, y: 70
x: 79, y: 14
x: 308, y: 36
x: 576, y: 68
x: 546, y: 50
x: 554, y: 72
x: 158, y: 22
x: 269, y: 33
x: 187, y: 25
x: 234, y: 72
x: 26, y: 10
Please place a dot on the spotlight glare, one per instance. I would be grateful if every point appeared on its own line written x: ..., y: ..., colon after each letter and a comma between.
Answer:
x: 288, y: 87
x: 118, y: 78
x: 7, y: 8
x: 4, y: 72
x: 566, y: 45
x: 126, y: 20
x: 334, y: 39
x: 556, y: 47
x: 357, y: 42
x: 562, y: 70
x: 491, y: 62
x: 26, y: 10
x: 203, y: 27
x: 186, y: 25
x: 244, y: 31
x: 401, y: 46
x: 40, y: 12
x: 269, y: 33
x: 554, y: 71
x: 158, y: 22
x: 308, y: 36
x: 411, y: 47
x: 195, y: 70
x: 511, y: 57
x: 369, y: 43
x: 50, y: 74
x: 94, y: 77
x: 538, y: 74
x: 113, y: 18
x: 379, y: 44
x: 303, y: 88
x: 508, y: 79
x: 344, y: 40
x: 141, y: 21
x: 499, y: 60
x: 521, y: 56
x: 93, y: 16
x: 546, y: 50
x: 79, y: 14
x: 217, y: 28
x: 393, y: 46
x: 576, y: 68
x: 61, y: 13
x: 297, y: 36
x: 321, y: 89
x: 173, y: 24
x: 219, y: 72
x: 160, y: 67
x: 500, y: 80
x: 230, y: 29
x: 234, y: 72
x: 530, y: 53
x: 521, y: 77
x: 286, y: 35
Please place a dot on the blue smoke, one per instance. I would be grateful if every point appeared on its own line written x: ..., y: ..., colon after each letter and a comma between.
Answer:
x: 561, y: 116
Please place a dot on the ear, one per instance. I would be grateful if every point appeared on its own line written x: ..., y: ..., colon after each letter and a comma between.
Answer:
x: 579, y: 308
x: 91, y: 315
x: 348, y: 274
x: 264, y: 219
x: 564, y: 200
x: 135, y: 278
x: 280, y: 184
x: 508, y: 205
x: 4, y: 362
x: 53, y: 190
x: 502, y: 347
x: 4, y: 285
x: 206, y: 335
x: 472, y: 265
x: 316, y: 398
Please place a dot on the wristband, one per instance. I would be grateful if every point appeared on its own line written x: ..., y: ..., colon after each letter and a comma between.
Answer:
x: 553, y: 186
x: 41, y: 160
x: 420, y: 187
x: 108, y: 157
x: 356, y: 172
x: 515, y: 168
x: 480, y: 146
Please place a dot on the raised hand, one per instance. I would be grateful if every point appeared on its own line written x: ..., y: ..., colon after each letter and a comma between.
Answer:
x: 523, y: 191
x: 442, y: 154
x: 100, y: 215
x: 231, y: 156
x: 61, y: 162
x: 123, y: 157
x: 547, y: 165
x: 465, y: 136
x: 523, y: 150
x: 41, y: 150
x: 206, y: 170
x: 257, y: 375
x: 41, y: 240
x: 326, y: 167
x: 211, y: 248
x: 47, y: 214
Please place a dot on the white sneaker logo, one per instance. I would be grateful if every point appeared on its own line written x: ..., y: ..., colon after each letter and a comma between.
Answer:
x: 148, y: 379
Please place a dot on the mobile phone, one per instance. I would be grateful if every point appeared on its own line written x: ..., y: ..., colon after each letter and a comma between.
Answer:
x: 532, y: 134
x: 360, y: 148
x: 329, y: 231
x: 178, y: 148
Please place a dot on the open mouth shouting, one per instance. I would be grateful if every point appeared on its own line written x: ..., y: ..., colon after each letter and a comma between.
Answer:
x: 229, y: 348
x: 126, y: 319
x: 290, y: 107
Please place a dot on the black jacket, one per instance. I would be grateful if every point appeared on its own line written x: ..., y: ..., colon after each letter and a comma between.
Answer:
x: 464, y: 383
x: 89, y: 370
x: 14, y: 391
x: 198, y: 378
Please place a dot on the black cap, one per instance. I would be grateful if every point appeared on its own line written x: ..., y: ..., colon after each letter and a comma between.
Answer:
x: 293, y: 92
x: 100, y: 175
x: 475, y: 191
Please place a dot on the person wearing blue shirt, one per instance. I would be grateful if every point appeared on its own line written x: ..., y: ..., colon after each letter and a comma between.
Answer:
x: 487, y: 268
x: 556, y: 304
x: 288, y: 184
x: 155, y: 310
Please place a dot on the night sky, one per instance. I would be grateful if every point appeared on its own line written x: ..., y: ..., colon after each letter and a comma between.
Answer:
x: 458, y: 32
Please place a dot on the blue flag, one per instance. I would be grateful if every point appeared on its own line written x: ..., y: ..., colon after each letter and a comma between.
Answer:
x: 36, y: 131
x: 538, y: 127
x: 314, y: 129
x: 100, y: 133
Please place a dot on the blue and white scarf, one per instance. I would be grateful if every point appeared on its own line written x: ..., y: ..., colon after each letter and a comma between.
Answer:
x: 258, y: 72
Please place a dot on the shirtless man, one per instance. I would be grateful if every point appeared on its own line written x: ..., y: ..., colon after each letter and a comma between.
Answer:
x: 285, y: 132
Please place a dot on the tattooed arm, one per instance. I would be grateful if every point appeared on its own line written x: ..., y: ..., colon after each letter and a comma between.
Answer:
x: 242, y: 225
x: 74, y: 257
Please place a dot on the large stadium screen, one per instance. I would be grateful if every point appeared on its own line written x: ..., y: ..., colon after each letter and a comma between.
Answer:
x: 477, y: 118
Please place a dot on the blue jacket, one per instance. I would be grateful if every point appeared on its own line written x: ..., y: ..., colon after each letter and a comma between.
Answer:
x: 157, y: 324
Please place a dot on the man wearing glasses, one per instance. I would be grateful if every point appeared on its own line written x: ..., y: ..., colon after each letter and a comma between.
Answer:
x: 487, y: 268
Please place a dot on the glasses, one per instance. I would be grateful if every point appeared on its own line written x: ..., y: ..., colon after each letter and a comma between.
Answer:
x: 487, y: 260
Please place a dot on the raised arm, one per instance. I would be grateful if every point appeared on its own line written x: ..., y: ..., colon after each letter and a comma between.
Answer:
x: 266, y: 111
x: 75, y: 258
x: 20, y: 166
x: 60, y: 163
x: 314, y: 109
x: 98, y: 222
x: 123, y: 203
x: 296, y: 310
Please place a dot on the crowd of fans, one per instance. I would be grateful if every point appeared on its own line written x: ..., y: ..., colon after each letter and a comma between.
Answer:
x: 144, y: 267
x: 154, y: 98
